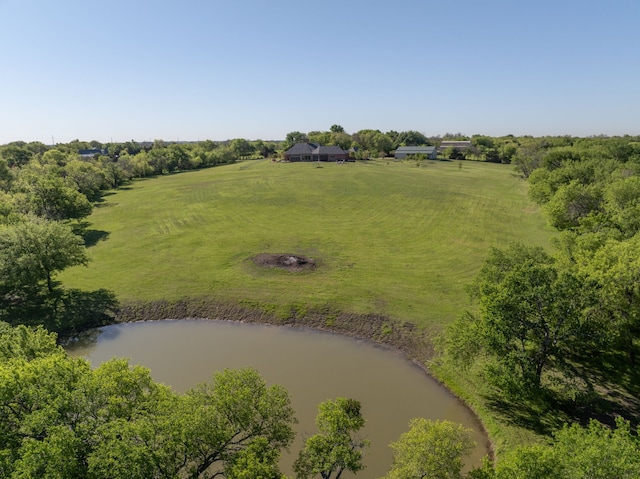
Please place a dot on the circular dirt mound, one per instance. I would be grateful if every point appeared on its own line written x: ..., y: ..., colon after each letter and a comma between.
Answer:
x: 290, y: 262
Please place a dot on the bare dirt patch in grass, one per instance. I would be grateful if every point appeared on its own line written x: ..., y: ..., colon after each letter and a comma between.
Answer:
x: 287, y: 261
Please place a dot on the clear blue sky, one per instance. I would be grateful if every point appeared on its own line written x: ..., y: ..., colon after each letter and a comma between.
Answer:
x: 197, y: 69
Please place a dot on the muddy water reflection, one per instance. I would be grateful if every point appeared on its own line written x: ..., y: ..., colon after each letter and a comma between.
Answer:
x: 313, y: 366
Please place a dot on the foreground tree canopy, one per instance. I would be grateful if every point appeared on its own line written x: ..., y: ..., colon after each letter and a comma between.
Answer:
x: 337, y: 448
x: 594, y: 452
x: 431, y: 450
x: 61, y: 419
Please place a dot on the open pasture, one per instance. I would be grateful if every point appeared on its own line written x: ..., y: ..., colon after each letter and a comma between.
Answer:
x: 387, y: 237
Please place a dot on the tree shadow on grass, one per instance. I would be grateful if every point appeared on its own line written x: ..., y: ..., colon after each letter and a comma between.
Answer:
x: 93, y: 237
x: 603, y: 388
x: 66, y: 312
x: 614, y: 388
x: 532, y: 413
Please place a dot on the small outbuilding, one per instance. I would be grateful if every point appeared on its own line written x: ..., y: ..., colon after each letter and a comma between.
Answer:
x: 431, y: 152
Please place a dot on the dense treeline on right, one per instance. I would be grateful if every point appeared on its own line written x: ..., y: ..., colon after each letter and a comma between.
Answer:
x: 555, y: 335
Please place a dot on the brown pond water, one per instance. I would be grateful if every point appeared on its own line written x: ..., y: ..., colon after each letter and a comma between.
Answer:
x: 313, y: 366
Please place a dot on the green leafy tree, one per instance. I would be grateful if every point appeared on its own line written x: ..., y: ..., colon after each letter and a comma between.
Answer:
x: 294, y: 137
x: 87, y: 178
x: 226, y: 416
x: 531, y: 313
x: 483, y: 141
x: 410, y: 138
x: 158, y: 158
x: 241, y: 147
x: 594, y: 452
x: 622, y: 204
x: 571, y: 203
x: 615, y: 267
x: 492, y: 156
x: 430, y: 450
x: 32, y: 251
x: 528, y: 158
x: 530, y: 462
x: 5, y: 175
x: 179, y: 157
x: 16, y: 155
x: 8, y: 207
x: 340, y: 139
x: 265, y: 149
x: 598, y: 452
x: 336, y: 129
x: 337, y: 448
x: 54, y: 157
x: 319, y: 137
x: 507, y: 152
x: 59, y: 418
x: 51, y: 197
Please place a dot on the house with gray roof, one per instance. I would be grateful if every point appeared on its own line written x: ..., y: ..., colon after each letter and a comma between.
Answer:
x: 431, y: 152
x: 313, y: 152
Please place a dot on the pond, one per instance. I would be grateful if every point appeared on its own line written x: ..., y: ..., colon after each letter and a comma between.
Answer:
x: 313, y: 366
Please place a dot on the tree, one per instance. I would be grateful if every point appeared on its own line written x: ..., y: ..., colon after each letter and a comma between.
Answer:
x: 410, y: 138
x: 430, y: 450
x: 158, y: 158
x: 453, y: 153
x: 336, y: 129
x: 87, y: 177
x: 264, y: 149
x: 598, y: 452
x: 531, y: 313
x: 571, y: 203
x: 292, y: 138
x: 241, y: 147
x: 622, y: 204
x: 615, y: 267
x: 492, y: 156
x: 529, y: 462
x: 54, y: 157
x: 483, y: 141
x: 59, y: 418
x: 50, y: 197
x: 343, y: 140
x: 227, y: 416
x: 32, y: 251
x: 594, y: 452
x: 336, y: 448
x: 5, y: 175
x: 15, y: 155
x: 319, y: 137
x: 528, y: 158
x: 179, y: 157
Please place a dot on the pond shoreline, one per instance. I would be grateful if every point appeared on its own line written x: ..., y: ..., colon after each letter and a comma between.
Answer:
x: 405, y: 337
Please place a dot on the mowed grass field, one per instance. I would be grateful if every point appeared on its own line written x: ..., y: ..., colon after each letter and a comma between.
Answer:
x: 388, y: 237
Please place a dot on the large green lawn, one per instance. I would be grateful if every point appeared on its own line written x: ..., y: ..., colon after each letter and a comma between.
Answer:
x: 389, y: 237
